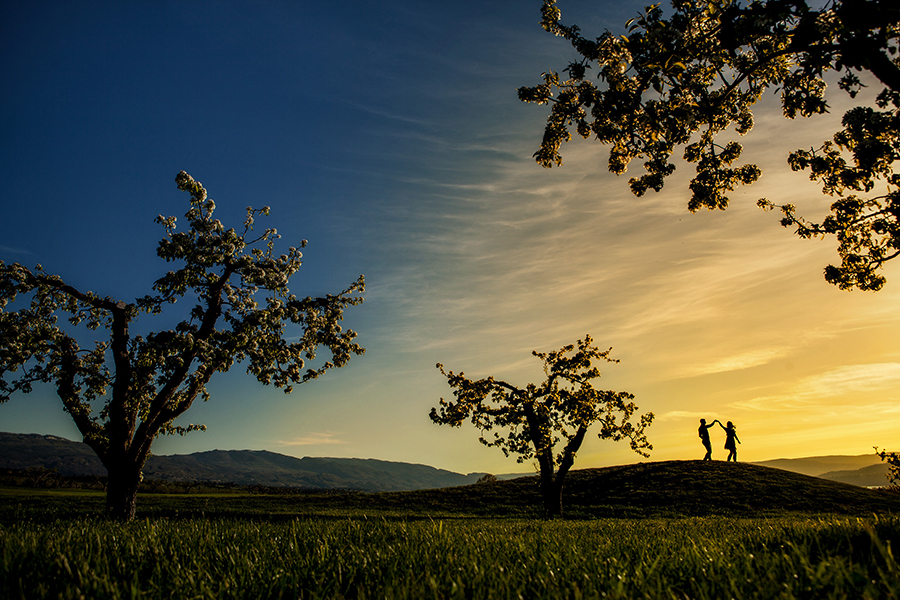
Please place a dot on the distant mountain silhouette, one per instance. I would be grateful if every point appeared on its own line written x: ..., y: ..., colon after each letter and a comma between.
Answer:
x: 243, y: 467
x: 24, y: 450
x: 873, y: 475
x: 865, y: 470
x: 248, y: 467
x: 817, y: 465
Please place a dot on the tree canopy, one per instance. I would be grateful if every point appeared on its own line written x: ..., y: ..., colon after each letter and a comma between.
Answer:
x: 535, y: 419
x: 680, y: 81
x: 143, y: 383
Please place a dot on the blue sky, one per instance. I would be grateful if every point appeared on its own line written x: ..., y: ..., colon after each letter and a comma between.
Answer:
x: 389, y: 135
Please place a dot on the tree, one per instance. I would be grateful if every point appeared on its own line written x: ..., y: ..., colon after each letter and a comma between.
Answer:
x: 145, y: 382
x: 893, y: 461
x: 535, y: 418
x: 681, y: 82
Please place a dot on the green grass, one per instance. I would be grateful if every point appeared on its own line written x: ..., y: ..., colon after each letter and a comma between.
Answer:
x: 658, y: 530
x: 464, y: 558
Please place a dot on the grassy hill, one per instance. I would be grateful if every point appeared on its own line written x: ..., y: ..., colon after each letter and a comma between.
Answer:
x: 697, y: 488
x: 668, y: 488
x: 655, y: 489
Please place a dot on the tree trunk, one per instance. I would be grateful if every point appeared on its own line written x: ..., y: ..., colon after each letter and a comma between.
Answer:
x: 121, y: 492
x: 551, y: 492
x: 552, y: 484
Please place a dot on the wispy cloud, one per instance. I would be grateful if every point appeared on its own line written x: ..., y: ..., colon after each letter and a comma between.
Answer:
x: 676, y: 415
x: 809, y: 392
x: 525, y: 252
x: 851, y: 378
x: 738, y: 362
x: 386, y: 114
x: 325, y: 438
x: 11, y: 250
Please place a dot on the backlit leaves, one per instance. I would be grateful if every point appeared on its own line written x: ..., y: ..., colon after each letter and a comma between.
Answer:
x: 686, y: 79
x: 243, y: 312
x: 530, y: 421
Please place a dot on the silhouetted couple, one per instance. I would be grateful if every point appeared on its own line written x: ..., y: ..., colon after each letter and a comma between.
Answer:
x: 730, y: 439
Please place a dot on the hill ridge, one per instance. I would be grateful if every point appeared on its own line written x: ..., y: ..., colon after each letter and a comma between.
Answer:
x: 673, y: 488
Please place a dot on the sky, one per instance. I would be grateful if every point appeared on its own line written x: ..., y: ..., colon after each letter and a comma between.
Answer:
x: 389, y: 135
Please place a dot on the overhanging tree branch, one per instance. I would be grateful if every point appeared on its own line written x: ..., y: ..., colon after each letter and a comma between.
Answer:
x: 684, y: 58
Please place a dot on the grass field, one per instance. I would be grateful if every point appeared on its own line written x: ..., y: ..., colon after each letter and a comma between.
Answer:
x: 709, y: 557
x: 680, y: 531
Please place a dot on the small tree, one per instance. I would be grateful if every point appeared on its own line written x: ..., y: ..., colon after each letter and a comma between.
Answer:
x: 893, y: 461
x: 678, y: 83
x: 537, y: 417
x: 144, y: 382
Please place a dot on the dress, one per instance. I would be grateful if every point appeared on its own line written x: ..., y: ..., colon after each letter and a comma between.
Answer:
x: 729, y: 439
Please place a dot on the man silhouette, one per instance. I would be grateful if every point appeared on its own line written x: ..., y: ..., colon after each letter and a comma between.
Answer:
x: 703, y: 431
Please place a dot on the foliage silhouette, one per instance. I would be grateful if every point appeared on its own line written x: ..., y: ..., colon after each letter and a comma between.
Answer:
x: 144, y: 382
x: 893, y: 461
x: 681, y: 81
x: 536, y: 417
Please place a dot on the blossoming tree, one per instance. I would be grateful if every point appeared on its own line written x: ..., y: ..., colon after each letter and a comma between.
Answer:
x: 143, y: 383
x: 536, y: 417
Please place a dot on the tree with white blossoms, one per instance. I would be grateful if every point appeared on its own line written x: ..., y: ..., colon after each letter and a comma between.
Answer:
x: 535, y: 418
x: 143, y: 383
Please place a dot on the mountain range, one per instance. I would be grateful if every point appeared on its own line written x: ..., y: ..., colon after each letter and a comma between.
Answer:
x: 260, y: 467
x: 243, y: 467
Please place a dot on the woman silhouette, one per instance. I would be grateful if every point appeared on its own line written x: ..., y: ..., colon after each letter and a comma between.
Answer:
x: 730, y: 438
